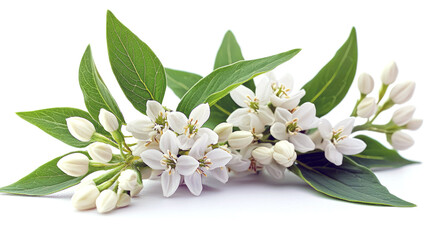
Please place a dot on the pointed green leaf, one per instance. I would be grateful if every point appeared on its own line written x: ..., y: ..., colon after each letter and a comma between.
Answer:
x: 350, y: 181
x: 376, y: 155
x: 221, y: 81
x: 53, y: 122
x: 137, y: 69
x: 180, y: 81
x: 95, y: 92
x: 331, y: 84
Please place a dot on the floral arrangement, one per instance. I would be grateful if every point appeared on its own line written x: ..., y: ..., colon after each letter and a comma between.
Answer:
x: 225, y: 123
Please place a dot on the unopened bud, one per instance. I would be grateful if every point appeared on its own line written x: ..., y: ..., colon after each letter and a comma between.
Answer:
x: 75, y: 164
x: 389, y: 74
x: 367, y: 107
x: 80, y: 128
x: 123, y: 200
x: 128, y: 180
x: 403, y: 115
x: 263, y: 155
x: 136, y: 190
x: 106, y: 201
x: 284, y: 153
x: 402, y: 92
x: 401, y: 141
x: 365, y: 83
x: 108, y: 120
x: 100, y: 152
x: 414, y: 124
x: 84, y: 198
x: 240, y: 139
x: 223, y: 130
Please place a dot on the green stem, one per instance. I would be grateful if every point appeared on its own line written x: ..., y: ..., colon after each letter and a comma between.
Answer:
x: 103, y: 178
x: 97, y: 137
x: 388, y: 104
x: 109, y: 183
x: 382, y: 92
x: 354, y: 112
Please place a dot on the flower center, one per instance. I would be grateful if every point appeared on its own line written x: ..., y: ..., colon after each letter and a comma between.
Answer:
x: 337, y: 135
x: 191, y: 128
x: 292, y: 127
x: 280, y: 91
x: 169, y: 161
x: 160, y: 122
x: 204, y: 163
x: 252, y: 103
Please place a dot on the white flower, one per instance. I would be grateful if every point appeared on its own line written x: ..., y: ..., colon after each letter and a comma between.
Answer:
x: 288, y: 126
x: 337, y: 141
x: 123, y: 200
x: 254, y: 113
x: 401, y: 141
x: 365, y: 83
x: 414, y: 124
x: 75, y: 164
x: 275, y: 170
x: 106, y: 201
x: 100, y: 152
x: 108, y: 120
x: 238, y: 162
x: 190, y: 129
x: 263, y: 155
x: 240, y: 139
x: 367, y: 107
x: 281, y: 92
x: 167, y: 160
x: 212, y: 162
x: 84, y: 198
x: 403, y: 115
x: 80, y: 128
x: 402, y: 92
x: 223, y: 130
x: 284, y: 153
x: 128, y: 180
x: 145, y: 145
x: 389, y: 74
x: 149, y: 126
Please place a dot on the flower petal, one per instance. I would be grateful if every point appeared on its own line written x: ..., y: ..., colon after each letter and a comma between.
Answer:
x: 218, y: 158
x: 278, y: 130
x: 153, y: 159
x: 238, y: 164
x: 293, y: 100
x: 263, y: 91
x: 177, y: 121
x: 242, y: 94
x: 169, y: 183
x: 305, y: 115
x: 332, y: 154
x: 169, y: 142
x: 325, y: 129
x: 347, y: 126
x: 351, y: 146
x: 186, y: 165
x: 302, y: 142
x: 266, y: 115
x: 142, y: 128
x: 221, y: 174
x: 212, y: 137
x: 194, y: 184
x: 285, y: 80
x: 185, y: 142
x: 200, y: 114
x: 236, y: 116
x: 282, y: 115
x: 154, y: 109
x: 256, y: 123
x: 275, y: 170
x: 199, y: 148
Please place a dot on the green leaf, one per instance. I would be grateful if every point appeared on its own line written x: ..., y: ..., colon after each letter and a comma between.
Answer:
x: 95, y: 92
x: 221, y: 81
x: 180, y: 81
x: 137, y: 69
x: 53, y: 122
x: 350, y: 181
x: 45, y: 180
x: 331, y: 84
x: 376, y: 155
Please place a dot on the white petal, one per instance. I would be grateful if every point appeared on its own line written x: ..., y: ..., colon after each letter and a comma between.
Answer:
x: 347, y: 126
x: 199, y: 148
x: 200, y: 114
x: 266, y: 115
x: 218, y: 157
x: 242, y: 94
x: 221, y: 174
x: 212, y: 137
x: 333, y: 155
x: 351, y: 146
x: 193, y: 182
x: 186, y: 165
x: 263, y: 91
x: 256, y: 123
x: 282, y: 115
x: 293, y: 101
x: 185, y: 142
x: 325, y: 129
x: 169, y: 183
x: 153, y: 159
x: 142, y: 128
x: 240, y: 165
x: 236, y: 116
x: 177, y: 121
x: 286, y: 80
x: 305, y: 115
x: 302, y: 142
x: 275, y: 170
x: 154, y: 109
x: 278, y: 130
x: 169, y: 141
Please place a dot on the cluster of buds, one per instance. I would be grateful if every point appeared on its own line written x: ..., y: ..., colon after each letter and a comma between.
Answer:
x: 402, y: 119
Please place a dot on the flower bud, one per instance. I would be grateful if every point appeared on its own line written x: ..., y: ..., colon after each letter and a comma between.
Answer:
x: 80, y: 128
x: 284, y: 153
x: 263, y: 155
x: 75, y: 164
x: 123, y: 200
x: 84, y: 197
x: 367, y: 107
x: 389, y: 74
x: 240, y: 139
x: 401, y: 141
x: 402, y: 92
x: 100, y: 152
x: 403, y: 115
x: 365, y: 83
x: 414, y: 124
x: 223, y: 130
x: 106, y: 201
x: 108, y: 120
x: 128, y: 180
x: 136, y: 190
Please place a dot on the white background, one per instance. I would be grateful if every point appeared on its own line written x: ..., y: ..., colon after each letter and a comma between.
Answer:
x: 41, y: 44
